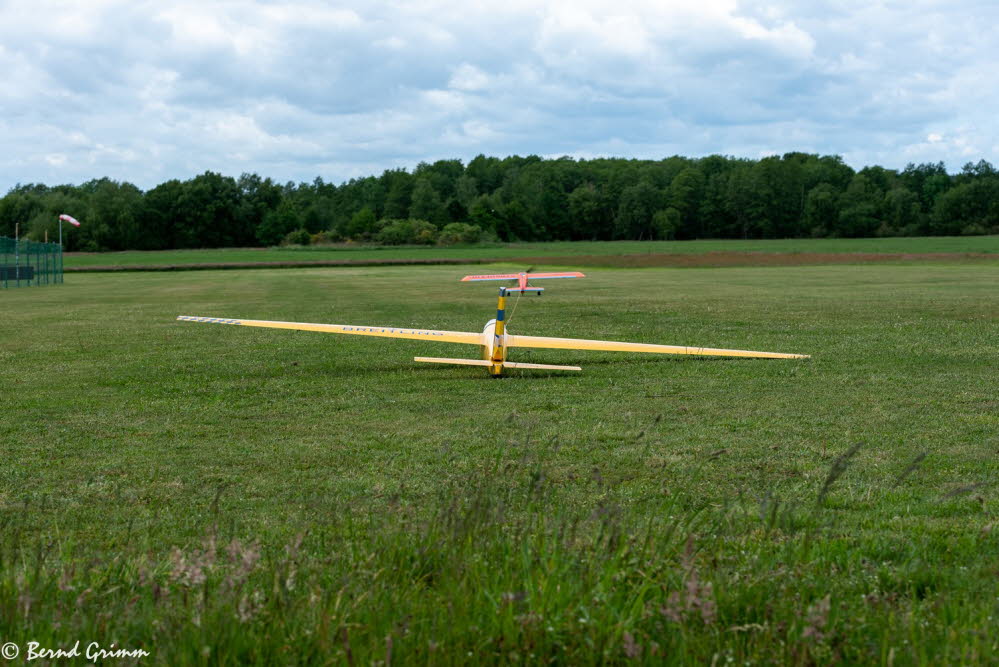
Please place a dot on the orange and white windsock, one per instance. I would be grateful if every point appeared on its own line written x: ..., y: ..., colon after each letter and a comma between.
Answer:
x: 70, y: 219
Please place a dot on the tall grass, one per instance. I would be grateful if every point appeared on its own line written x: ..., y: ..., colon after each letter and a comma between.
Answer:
x: 501, y: 567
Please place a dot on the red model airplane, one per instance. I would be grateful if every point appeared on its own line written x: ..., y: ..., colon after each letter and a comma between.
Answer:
x: 523, y: 277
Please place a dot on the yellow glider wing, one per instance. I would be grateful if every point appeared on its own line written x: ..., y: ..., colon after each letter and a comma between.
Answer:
x: 384, y: 332
x: 580, y: 344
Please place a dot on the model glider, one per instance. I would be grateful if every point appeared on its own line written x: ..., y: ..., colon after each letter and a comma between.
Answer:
x: 494, y: 340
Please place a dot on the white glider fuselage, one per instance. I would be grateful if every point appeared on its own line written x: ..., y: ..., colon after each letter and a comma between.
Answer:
x: 493, y: 348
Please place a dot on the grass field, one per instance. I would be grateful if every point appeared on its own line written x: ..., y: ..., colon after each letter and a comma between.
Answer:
x: 223, y: 495
x: 588, y: 251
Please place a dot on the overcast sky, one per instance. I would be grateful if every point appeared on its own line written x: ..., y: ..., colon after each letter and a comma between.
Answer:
x: 148, y: 91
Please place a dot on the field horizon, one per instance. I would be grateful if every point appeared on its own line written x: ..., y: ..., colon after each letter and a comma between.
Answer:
x: 716, y: 252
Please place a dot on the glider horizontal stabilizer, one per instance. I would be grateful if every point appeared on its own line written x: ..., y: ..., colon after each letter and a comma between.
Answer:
x: 487, y: 362
x: 460, y: 362
x: 547, y: 367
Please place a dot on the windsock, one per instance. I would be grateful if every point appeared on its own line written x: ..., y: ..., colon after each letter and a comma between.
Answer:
x: 70, y: 219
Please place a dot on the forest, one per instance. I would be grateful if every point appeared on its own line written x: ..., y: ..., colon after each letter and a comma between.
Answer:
x: 522, y: 199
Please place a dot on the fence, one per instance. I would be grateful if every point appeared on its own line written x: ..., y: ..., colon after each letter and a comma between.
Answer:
x: 27, y: 263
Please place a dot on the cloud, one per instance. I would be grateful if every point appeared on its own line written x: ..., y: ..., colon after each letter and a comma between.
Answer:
x: 145, y: 91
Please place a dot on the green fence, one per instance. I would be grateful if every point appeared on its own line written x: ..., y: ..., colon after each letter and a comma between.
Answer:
x: 27, y: 263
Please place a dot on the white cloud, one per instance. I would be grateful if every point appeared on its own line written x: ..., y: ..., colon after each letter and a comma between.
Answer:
x: 468, y: 77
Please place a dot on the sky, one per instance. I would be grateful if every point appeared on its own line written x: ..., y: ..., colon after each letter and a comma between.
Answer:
x: 146, y: 91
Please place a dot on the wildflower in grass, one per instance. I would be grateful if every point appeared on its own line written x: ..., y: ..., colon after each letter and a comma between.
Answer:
x: 818, y: 618
x: 191, y: 570
x: 528, y: 619
x: 292, y: 550
x: 243, y: 560
x: 249, y: 606
x: 24, y: 600
x: 632, y: 649
x: 82, y: 597
x: 67, y: 576
x: 511, y: 597
x: 701, y: 597
x: 698, y: 601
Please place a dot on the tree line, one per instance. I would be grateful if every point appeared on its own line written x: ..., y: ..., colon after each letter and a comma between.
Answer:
x: 523, y: 199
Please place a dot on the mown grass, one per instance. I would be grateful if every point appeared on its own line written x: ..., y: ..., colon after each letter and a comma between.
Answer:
x: 964, y: 244
x: 218, y: 495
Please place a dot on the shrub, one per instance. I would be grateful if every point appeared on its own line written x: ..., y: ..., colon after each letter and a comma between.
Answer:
x: 326, y: 237
x: 459, y: 232
x: 974, y: 229
x: 297, y: 237
x: 406, y: 232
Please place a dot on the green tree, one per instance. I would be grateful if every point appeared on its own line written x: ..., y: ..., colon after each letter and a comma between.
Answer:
x: 739, y: 199
x: 160, y: 215
x: 488, y: 173
x: 822, y: 210
x: 969, y: 208
x: 665, y: 223
x: 398, y: 184
x: 590, y: 217
x: 257, y: 197
x: 902, y: 213
x: 777, y: 201
x: 483, y: 214
x: 279, y: 223
x: 17, y: 208
x: 685, y: 194
x: 363, y: 224
x: 715, y: 218
x: 114, y: 211
x: 634, y: 214
x: 443, y: 175
x: 206, y: 212
x: 426, y: 203
x: 466, y: 191
x: 859, y: 213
